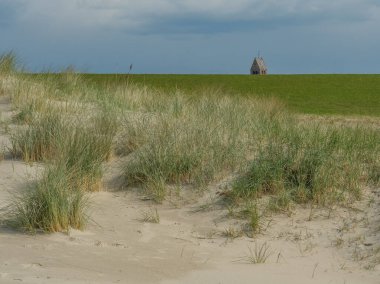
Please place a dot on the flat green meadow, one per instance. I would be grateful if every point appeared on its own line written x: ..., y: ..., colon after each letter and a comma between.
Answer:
x: 311, y: 94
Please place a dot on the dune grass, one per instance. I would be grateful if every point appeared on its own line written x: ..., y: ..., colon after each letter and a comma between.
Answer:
x: 40, y: 139
x: 193, y: 141
x: 74, y: 155
x: 8, y: 63
x: 52, y: 138
x: 176, y: 138
x: 53, y: 204
x: 200, y: 140
x: 71, y: 137
x: 313, y: 163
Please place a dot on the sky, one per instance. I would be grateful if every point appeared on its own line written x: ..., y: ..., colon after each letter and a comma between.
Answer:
x: 193, y: 36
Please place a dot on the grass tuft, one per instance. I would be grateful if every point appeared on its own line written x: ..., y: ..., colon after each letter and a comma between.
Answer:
x: 39, y: 141
x: 8, y: 63
x: 322, y: 165
x: 259, y: 254
x: 53, y: 204
x: 232, y: 233
x: 150, y: 216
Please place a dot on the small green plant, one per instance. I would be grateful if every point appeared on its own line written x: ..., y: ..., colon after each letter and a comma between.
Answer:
x: 281, y: 203
x: 2, y: 155
x: 24, y: 116
x: 250, y: 212
x: 150, y: 216
x: 232, y: 233
x: 155, y: 188
x: 305, y: 247
x: 2, y: 89
x: 339, y: 241
x: 254, y: 224
x: 258, y: 254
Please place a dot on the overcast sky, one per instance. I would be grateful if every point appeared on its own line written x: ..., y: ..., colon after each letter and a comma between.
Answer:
x: 193, y: 36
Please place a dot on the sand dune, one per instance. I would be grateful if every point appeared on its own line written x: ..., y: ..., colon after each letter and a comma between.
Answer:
x: 188, y: 245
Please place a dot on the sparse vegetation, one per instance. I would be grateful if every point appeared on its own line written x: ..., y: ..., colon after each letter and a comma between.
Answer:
x: 8, y: 63
x: 258, y: 254
x: 232, y: 233
x: 150, y: 216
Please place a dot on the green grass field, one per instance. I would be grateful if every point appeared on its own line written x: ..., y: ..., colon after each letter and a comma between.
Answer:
x: 314, y: 94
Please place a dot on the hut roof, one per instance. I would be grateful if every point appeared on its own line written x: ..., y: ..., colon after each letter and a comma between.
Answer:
x: 260, y: 62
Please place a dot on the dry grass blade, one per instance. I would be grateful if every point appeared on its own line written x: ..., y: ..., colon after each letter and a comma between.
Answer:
x: 232, y: 233
x: 258, y: 254
x: 150, y: 216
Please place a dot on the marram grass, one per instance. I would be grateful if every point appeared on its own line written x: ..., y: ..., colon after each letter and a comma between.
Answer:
x: 72, y: 137
x: 324, y: 165
x: 191, y: 142
x: 52, y: 204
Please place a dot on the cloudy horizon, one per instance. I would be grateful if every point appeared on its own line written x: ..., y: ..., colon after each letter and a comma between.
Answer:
x: 193, y: 36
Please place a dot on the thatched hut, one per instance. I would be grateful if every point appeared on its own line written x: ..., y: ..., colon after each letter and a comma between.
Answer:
x: 258, y: 67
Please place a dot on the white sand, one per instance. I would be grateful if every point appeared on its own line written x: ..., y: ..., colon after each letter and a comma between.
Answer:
x: 188, y: 245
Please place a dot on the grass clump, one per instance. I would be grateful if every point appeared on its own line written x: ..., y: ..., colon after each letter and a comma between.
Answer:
x: 39, y: 141
x: 232, y: 233
x: 192, y: 142
x: 53, y: 138
x: 81, y: 152
x: 150, y: 216
x: 53, y: 204
x: 313, y: 163
x: 73, y: 143
x: 74, y: 154
x: 258, y: 254
x: 8, y: 63
x: 25, y: 115
x: 85, y: 149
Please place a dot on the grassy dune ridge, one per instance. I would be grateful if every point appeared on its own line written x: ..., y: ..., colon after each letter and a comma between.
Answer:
x: 175, y: 138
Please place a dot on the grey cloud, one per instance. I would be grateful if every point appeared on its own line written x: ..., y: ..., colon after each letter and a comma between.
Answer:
x: 249, y: 16
x: 186, y: 16
x: 202, y: 24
